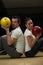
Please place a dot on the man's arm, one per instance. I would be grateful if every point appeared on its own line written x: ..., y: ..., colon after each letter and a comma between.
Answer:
x: 10, y: 40
x: 4, y: 36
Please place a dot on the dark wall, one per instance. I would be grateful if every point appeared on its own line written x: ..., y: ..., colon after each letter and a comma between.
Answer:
x: 37, y: 20
x: 35, y: 13
x: 3, y: 13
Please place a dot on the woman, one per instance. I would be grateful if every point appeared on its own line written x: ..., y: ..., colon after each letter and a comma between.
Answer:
x: 32, y: 43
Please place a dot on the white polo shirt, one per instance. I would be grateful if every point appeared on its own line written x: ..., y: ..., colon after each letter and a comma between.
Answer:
x: 27, y: 33
x: 19, y: 44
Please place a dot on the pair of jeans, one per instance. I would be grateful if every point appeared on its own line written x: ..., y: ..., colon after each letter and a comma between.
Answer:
x: 11, y: 50
x: 35, y: 48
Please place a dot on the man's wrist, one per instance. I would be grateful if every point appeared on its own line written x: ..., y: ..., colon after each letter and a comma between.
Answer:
x: 7, y: 29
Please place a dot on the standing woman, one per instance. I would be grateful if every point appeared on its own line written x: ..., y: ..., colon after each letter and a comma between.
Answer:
x: 32, y: 43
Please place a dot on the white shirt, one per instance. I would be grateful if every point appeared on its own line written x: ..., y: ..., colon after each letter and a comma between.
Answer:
x: 27, y: 33
x: 19, y: 44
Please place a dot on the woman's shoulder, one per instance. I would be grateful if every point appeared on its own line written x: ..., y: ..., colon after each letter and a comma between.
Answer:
x: 27, y: 31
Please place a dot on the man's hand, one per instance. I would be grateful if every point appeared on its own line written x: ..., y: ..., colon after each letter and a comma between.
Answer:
x: 5, y: 28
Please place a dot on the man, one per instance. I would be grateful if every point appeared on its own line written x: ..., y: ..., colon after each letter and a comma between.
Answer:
x: 13, y: 43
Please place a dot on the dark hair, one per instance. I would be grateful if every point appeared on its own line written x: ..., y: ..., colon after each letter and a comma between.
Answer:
x: 16, y: 17
x: 27, y: 19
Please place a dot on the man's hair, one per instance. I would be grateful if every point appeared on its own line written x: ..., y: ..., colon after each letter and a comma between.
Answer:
x: 16, y: 17
x: 27, y: 19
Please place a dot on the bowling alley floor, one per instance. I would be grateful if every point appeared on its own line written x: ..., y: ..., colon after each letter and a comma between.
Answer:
x: 37, y: 60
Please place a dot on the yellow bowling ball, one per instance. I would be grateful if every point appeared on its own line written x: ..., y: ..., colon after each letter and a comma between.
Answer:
x: 5, y: 22
x: 0, y: 22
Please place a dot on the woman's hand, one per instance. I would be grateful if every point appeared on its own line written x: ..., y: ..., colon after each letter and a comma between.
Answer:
x: 37, y: 37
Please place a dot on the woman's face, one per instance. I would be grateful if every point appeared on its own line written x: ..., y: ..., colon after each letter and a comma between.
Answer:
x: 29, y: 24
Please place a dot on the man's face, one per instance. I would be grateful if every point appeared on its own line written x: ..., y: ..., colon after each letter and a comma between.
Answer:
x: 15, y: 23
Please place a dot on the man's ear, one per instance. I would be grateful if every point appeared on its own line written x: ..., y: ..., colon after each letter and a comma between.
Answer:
x: 25, y: 25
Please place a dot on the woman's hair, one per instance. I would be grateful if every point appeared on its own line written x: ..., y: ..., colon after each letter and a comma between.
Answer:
x: 27, y: 19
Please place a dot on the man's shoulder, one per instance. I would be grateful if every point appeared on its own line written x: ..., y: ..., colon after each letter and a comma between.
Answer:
x: 17, y: 30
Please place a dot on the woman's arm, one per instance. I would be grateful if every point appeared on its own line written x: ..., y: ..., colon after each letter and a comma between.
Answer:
x: 32, y: 41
